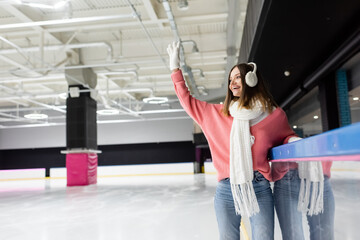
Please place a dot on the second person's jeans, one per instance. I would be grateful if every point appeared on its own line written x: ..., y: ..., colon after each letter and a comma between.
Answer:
x: 262, y: 223
x: 286, y: 194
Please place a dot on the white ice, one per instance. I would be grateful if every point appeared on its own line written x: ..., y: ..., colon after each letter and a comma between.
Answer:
x: 137, y: 202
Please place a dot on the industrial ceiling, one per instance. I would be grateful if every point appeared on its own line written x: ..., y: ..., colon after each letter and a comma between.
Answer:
x: 45, y: 44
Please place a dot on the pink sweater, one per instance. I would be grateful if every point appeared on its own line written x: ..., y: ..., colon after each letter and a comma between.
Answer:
x: 274, y: 130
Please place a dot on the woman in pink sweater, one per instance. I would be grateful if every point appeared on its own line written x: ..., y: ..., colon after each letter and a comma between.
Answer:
x: 239, y: 138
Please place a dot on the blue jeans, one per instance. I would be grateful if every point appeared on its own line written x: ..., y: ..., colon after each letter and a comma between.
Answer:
x: 262, y: 224
x: 286, y: 194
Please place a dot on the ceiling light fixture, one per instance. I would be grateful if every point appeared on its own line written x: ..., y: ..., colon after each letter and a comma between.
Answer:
x: 63, y: 95
x: 108, y: 111
x: 155, y: 100
x: 316, y: 117
x: 355, y: 98
x: 36, y: 116
x: 294, y: 126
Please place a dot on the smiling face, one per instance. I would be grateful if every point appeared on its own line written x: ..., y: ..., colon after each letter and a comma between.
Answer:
x: 235, y: 84
x: 246, y: 96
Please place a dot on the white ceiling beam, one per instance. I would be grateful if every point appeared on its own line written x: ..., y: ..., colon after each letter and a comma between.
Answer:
x: 152, y: 14
x: 25, y: 19
x: 15, y: 118
x: 19, y: 103
x: 28, y: 98
x: 210, y: 18
x: 14, y: 63
x: 46, y: 78
x: 45, y: 105
x: 37, y: 25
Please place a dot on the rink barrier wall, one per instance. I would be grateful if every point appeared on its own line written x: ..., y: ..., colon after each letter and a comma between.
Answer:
x: 125, y: 154
x: 342, y: 144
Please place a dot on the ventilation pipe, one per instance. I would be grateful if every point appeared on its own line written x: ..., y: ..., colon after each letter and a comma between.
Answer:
x: 218, y: 94
x: 65, y: 21
x: 146, y: 32
x: 195, y: 48
x: 129, y: 72
x: 68, y: 46
x: 184, y: 66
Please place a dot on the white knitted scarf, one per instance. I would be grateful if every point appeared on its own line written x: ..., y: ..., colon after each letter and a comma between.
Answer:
x: 241, y: 163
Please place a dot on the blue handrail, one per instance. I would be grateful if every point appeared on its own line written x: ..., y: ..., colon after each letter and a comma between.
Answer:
x: 344, y: 141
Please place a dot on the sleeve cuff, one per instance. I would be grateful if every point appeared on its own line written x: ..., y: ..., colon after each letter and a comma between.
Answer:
x: 177, y: 76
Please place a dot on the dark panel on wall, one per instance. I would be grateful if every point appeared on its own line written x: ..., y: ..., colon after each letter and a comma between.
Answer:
x: 147, y: 153
x: 111, y: 155
x: 328, y: 103
x: 31, y: 158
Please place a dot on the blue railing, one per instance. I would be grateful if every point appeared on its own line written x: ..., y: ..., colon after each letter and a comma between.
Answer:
x: 338, y: 144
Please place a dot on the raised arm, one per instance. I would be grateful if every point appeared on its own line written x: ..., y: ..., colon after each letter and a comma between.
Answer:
x: 194, y: 107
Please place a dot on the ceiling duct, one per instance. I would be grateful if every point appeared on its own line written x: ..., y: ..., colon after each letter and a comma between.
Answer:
x: 217, y: 95
x: 83, y: 76
x: 62, y: 48
x: 184, y: 66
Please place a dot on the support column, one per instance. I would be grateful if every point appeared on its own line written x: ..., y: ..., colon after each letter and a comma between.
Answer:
x: 81, y: 128
x: 343, y: 98
x: 47, y: 172
x: 202, y: 152
x: 328, y: 103
x: 199, y: 161
x: 81, y: 168
x: 299, y: 132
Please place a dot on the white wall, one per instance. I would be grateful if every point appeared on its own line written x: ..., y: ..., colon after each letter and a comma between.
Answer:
x: 116, y: 133
x: 146, y: 132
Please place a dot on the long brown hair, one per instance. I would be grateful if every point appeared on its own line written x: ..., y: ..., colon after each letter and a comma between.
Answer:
x: 249, y: 95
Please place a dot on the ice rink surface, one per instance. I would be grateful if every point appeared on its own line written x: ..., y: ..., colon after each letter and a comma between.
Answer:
x: 137, y: 202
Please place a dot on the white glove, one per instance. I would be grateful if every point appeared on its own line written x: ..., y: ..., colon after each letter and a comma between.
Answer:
x: 173, y: 51
x: 294, y: 139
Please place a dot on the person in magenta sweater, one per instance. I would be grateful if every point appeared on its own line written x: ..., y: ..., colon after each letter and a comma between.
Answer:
x: 240, y: 133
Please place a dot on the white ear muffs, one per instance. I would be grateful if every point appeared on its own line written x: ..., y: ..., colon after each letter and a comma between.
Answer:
x: 250, y: 77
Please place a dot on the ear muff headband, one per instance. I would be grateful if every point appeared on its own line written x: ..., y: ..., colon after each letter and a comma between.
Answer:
x: 250, y: 77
